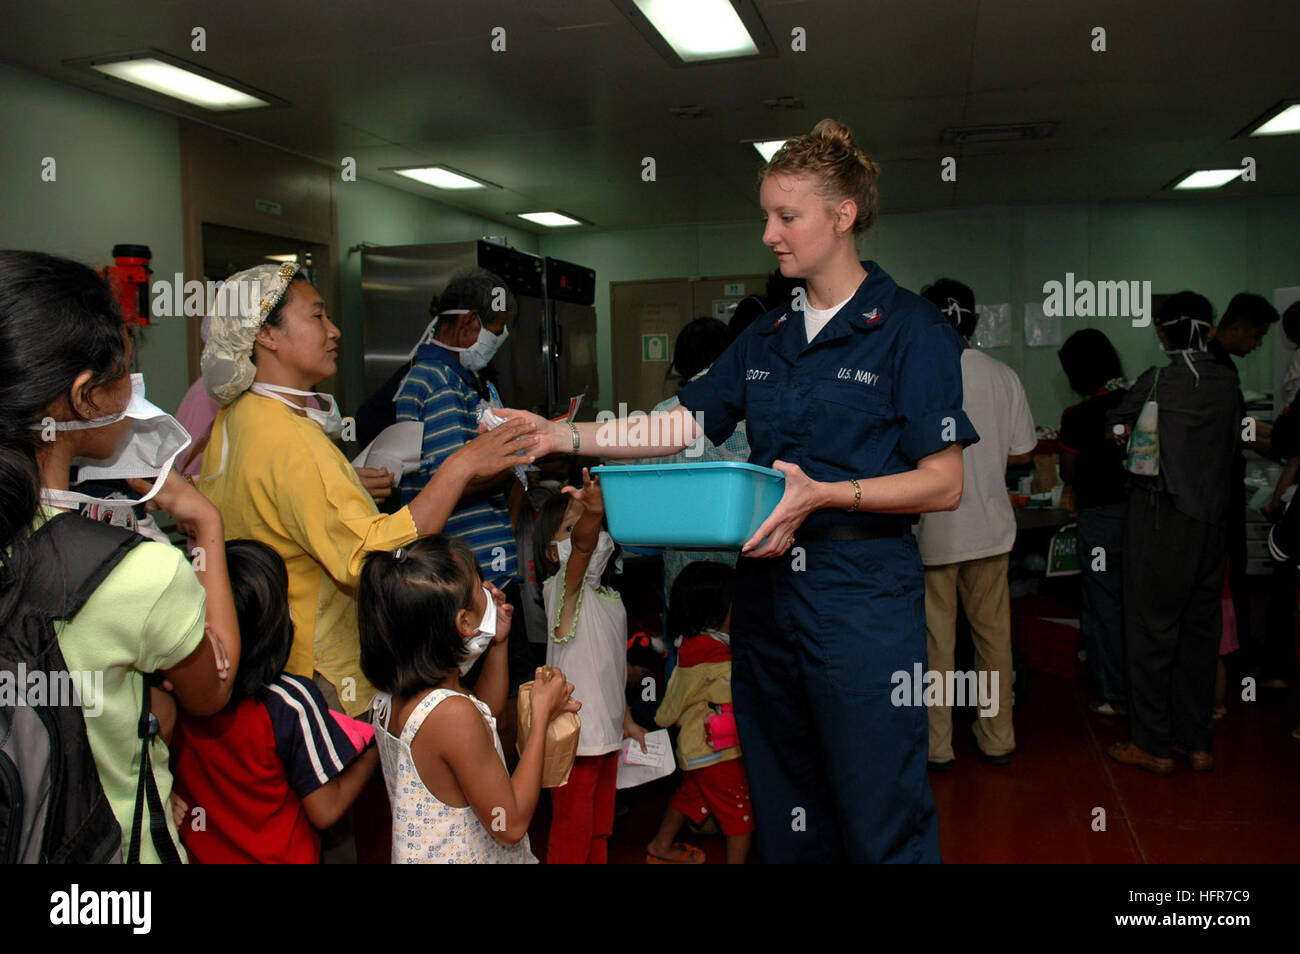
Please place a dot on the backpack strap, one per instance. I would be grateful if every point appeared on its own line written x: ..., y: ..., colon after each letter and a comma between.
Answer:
x: 66, y: 559
x: 146, y: 790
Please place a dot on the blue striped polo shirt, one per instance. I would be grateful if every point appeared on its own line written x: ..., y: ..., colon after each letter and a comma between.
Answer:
x: 440, y: 393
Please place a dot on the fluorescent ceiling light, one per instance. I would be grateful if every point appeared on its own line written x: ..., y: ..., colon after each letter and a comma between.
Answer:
x: 180, y: 83
x: 699, y: 29
x: 1208, y: 178
x: 441, y: 177
x: 552, y: 220
x: 1286, y: 120
x: 282, y: 258
x: 767, y: 148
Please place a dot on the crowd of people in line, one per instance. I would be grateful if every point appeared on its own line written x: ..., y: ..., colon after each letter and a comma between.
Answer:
x: 335, y: 644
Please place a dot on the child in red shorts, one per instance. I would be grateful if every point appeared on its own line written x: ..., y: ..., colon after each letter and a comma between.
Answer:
x: 698, y: 702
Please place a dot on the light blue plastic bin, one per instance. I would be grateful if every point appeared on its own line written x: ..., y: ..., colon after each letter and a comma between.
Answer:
x: 715, y: 505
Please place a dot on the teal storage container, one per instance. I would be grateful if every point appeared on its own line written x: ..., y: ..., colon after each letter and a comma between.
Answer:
x: 714, y: 505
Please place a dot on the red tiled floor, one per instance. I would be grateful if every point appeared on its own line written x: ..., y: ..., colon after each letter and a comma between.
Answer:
x: 1040, y: 808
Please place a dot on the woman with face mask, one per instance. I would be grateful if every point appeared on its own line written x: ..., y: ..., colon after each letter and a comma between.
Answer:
x: 853, y: 391
x: 273, y: 471
x: 68, y: 399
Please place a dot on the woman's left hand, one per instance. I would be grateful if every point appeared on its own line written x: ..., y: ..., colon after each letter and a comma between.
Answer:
x: 377, y: 481
x: 801, y: 498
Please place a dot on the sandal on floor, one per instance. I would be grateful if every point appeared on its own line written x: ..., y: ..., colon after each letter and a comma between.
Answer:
x: 693, y: 856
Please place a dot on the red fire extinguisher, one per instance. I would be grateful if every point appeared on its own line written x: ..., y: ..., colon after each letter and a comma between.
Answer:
x: 128, y: 277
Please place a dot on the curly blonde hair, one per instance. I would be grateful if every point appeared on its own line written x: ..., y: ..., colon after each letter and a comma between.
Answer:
x: 842, y: 171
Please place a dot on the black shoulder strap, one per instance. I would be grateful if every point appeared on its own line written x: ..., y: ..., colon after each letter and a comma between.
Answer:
x: 146, y: 790
x: 66, y: 559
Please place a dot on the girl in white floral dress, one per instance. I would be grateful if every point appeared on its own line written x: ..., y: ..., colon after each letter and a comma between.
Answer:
x: 425, y: 616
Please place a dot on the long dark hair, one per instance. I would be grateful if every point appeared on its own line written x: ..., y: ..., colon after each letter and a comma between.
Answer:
x: 549, y: 518
x: 260, y: 584
x: 57, y: 319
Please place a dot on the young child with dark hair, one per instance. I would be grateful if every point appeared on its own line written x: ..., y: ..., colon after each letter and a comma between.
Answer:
x: 698, y: 702
x: 425, y: 616
x: 262, y: 778
x: 587, y: 637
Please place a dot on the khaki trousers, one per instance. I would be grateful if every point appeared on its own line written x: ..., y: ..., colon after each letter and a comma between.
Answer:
x: 982, y: 586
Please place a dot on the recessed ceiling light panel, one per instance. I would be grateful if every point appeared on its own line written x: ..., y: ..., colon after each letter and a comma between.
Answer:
x: 443, y: 177
x: 161, y: 73
x: 1207, y: 178
x: 694, y: 32
x: 1279, y: 121
x: 553, y: 220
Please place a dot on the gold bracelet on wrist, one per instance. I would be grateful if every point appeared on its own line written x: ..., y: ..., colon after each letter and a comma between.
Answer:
x: 857, y: 495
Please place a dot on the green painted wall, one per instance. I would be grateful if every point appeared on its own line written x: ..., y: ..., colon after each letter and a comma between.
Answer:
x: 1214, y: 246
x: 118, y: 179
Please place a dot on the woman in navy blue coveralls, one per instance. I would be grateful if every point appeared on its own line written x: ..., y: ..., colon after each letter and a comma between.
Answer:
x: 866, y: 422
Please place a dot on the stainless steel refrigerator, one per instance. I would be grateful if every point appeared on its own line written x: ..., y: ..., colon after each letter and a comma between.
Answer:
x: 551, y: 352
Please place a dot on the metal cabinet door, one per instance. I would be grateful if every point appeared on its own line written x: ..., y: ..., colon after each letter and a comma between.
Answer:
x: 576, y: 368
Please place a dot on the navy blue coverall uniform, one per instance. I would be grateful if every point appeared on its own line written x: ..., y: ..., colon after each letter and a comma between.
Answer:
x: 837, y: 772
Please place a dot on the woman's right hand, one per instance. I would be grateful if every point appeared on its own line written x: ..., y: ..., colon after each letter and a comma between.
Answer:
x: 180, y: 498
x: 551, y: 695
x: 554, y: 436
x: 498, y: 450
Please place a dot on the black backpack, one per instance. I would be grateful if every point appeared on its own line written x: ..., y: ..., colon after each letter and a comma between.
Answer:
x: 53, y: 809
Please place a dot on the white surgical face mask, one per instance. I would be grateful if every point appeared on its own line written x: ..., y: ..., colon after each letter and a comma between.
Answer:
x: 476, y: 356
x: 599, y: 556
x: 477, y: 644
x: 331, y: 421
x: 149, y: 449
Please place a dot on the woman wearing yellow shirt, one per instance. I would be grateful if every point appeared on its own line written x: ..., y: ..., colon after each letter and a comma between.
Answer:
x: 275, y: 475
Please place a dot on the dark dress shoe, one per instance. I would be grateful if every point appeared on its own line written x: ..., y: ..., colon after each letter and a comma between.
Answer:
x: 1130, y: 754
x: 1199, y: 761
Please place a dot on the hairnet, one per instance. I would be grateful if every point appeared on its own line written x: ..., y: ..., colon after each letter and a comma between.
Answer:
x: 235, y: 316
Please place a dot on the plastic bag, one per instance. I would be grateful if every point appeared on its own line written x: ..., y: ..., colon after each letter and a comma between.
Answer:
x: 1144, y: 442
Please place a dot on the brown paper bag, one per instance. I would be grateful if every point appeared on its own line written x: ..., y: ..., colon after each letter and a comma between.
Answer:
x: 561, y: 736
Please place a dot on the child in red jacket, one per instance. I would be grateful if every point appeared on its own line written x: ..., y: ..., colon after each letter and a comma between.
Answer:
x: 698, y: 702
x: 260, y: 779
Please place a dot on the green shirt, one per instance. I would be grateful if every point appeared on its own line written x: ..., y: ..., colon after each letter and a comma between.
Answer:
x: 146, y: 616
